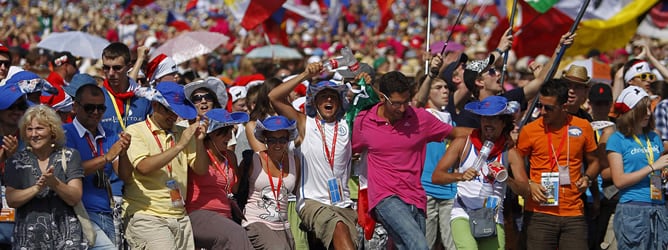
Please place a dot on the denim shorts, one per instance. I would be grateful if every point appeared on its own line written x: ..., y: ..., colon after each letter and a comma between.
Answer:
x: 641, y: 226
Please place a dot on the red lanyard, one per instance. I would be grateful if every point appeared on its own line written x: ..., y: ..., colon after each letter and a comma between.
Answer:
x: 330, y: 157
x: 171, y: 145
x: 276, y: 191
x: 92, y: 147
x: 555, y: 155
x: 230, y: 178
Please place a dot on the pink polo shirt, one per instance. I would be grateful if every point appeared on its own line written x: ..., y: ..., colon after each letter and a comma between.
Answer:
x: 396, y: 152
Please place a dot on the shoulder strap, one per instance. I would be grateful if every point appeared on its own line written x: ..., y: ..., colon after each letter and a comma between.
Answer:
x: 467, y: 147
x: 62, y: 160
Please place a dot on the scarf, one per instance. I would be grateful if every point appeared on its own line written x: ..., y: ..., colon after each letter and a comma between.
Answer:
x: 120, y: 97
x: 499, y: 144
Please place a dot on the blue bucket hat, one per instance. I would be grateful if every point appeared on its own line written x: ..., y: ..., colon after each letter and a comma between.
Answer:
x: 30, y: 82
x: 219, y: 118
x: 313, y: 90
x: 78, y: 81
x: 275, y: 123
x: 170, y: 94
x: 9, y: 93
x: 492, y: 106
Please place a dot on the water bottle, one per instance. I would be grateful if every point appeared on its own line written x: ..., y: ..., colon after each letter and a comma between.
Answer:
x: 346, y: 59
x: 482, y: 156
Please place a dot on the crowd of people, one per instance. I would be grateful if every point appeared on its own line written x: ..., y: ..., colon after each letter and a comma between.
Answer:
x: 133, y: 150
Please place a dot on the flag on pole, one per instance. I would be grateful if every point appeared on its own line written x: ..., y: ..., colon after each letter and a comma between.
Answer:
x: 251, y: 13
x: 177, y: 21
x: 385, y: 7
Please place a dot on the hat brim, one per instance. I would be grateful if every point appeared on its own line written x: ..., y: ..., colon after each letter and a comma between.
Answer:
x: 260, y: 128
x: 217, y: 88
x: 312, y: 92
x: 492, y: 108
x: 184, y: 111
x: 235, y: 118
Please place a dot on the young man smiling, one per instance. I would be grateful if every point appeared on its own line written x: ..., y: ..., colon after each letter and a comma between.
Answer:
x: 395, y: 136
x: 324, y: 203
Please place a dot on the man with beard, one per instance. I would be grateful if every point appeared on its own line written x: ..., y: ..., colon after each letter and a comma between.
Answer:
x: 324, y: 203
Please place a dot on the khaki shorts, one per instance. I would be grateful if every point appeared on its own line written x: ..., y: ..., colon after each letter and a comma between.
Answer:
x: 145, y: 231
x: 321, y: 219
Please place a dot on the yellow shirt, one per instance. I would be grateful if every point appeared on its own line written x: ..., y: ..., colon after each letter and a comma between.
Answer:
x: 148, y: 194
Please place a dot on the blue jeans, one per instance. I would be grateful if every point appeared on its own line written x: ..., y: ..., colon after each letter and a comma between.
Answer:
x: 404, y: 223
x: 6, y: 232
x: 103, y: 223
x: 641, y: 226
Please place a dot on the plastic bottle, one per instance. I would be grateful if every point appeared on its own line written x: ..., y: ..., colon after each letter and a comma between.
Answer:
x: 345, y: 59
x: 482, y: 156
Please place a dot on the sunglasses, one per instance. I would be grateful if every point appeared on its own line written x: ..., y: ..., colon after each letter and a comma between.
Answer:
x: 646, y: 77
x: 90, y: 108
x: 548, y: 108
x: 279, y: 140
x: 202, y: 97
x: 492, y: 71
x: 19, y: 106
x: 5, y: 63
x: 395, y: 105
x: 116, y: 68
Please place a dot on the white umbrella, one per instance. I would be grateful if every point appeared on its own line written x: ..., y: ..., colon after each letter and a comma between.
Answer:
x: 190, y: 45
x: 275, y: 52
x: 76, y: 42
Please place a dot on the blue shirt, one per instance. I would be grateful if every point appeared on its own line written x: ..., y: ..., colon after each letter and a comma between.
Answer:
x: 94, y: 199
x: 634, y: 159
x: 139, y: 108
x: 436, y: 150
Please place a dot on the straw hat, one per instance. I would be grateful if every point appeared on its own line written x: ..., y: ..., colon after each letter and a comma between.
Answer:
x: 577, y: 74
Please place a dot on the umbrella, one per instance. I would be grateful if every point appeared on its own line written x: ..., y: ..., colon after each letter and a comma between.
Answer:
x: 190, y: 45
x: 76, y: 42
x: 274, y: 51
x: 452, y: 46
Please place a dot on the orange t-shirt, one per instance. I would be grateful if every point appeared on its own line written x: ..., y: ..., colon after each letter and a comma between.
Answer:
x: 533, y: 142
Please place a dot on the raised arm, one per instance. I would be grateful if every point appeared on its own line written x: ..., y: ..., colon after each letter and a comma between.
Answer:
x: 422, y: 96
x: 142, y: 52
x: 532, y: 88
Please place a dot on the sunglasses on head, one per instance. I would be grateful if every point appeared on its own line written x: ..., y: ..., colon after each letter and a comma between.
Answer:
x: 646, y: 77
x: 548, y: 108
x: 202, y: 97
x: 90, y: 108
x: 274, y: 140
x: 116, y: 68
x: 5, y: 63
x: 20, y: 106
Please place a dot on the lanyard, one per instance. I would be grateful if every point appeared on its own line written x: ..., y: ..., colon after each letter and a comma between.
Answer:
x: 648, y: 152
x: 229, y: 177
x: 330, y: 157
x: 92, y: 146
x: 121, y: 120
x: 171, y: 145
x: 276, y: 191
x: 555, y: 160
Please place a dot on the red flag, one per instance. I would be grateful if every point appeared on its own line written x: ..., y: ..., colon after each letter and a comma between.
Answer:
x: 385, y: 7
x: 533, y: 27
x: 258, y: 11
x: 437, y: 7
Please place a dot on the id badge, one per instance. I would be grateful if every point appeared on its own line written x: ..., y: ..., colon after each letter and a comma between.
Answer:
x: 335, y: 191
x: 175, y: 194
x: 564, y: 176
x: 492, y: 201
x: 550, y: 181
x: 655, y: 187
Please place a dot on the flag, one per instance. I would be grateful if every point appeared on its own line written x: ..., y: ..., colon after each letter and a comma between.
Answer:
x: 655, y: 23
x: 191, y: 5
x: 385, y: 7
x: 251, y: 13
x: 274, y: 26
x: 606, y: 25
x: 128, y: 4
x: 437, y: 7
x: 177, y: 21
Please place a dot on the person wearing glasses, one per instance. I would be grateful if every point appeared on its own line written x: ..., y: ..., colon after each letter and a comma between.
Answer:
x: 557, y: 145
x: 44, y: 184
x: 395, y: 136
x: 272, y: 178
x: 102, y: 153
x: 161, y: 154
x: 206, y: 94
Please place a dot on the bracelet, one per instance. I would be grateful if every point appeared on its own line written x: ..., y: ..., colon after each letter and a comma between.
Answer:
x: 105, y: 159
x: 651, y: 167
x: 499, y: 50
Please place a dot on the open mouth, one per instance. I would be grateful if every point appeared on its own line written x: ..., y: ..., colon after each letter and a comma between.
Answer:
x: 329, y: 107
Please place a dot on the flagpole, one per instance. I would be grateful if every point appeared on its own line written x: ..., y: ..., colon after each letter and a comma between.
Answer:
x: 555, y: 64
x: 427, y: 48
x: 505, y: 53
x: 459, y: 17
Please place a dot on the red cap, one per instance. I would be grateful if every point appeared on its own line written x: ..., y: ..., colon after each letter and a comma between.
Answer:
x: 244, y: 80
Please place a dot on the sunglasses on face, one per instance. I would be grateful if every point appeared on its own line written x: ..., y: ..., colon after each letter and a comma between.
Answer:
x: 279, y: 140
x: 202, y: 97
x: 116, y: 68
x: 492, y: 71
x: 19, y: 106
x: 548, y: 108
x: 5, y: 63
x: 646, y: 77
x: 90, y: 108
x: 395, y: 104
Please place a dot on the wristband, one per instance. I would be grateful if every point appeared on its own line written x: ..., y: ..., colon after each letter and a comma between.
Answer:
x: 499, y: 50
x: 651, y: 167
